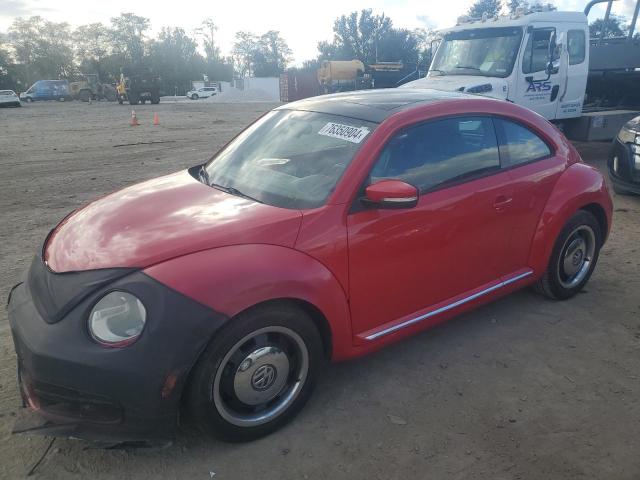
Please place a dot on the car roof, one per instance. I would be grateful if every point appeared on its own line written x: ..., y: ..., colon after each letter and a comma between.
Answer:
x: 374, y: 105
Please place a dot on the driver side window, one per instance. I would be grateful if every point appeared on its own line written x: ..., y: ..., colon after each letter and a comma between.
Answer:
x: 440, y: 153
x: 536, y: 53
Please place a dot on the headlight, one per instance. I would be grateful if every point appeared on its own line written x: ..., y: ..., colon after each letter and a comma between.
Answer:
x: 117, y: 319
x: 626, y: 135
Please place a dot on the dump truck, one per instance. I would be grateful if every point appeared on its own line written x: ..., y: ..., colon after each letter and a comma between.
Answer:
x: 90, y: 88
x: 341, y: 75
x: 546, y: 61
x: 138, y: 84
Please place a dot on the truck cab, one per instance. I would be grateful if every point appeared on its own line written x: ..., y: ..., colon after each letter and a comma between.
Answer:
x: 539, y: 60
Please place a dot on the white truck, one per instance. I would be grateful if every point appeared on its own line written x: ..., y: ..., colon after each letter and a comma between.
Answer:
x: 544, y: 60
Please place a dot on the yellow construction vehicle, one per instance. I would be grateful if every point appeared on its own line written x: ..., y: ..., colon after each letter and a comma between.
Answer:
x: 341, y: 75
x: 90, y: 88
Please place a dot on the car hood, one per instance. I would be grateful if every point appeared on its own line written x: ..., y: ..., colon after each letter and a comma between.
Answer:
x: 464, y: 83
x: 161, y: 219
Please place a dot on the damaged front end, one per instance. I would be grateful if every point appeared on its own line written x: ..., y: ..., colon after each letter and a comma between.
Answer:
x: 74, y: 386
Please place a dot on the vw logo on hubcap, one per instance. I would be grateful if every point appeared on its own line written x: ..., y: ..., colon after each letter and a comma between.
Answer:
x: 263, y: 377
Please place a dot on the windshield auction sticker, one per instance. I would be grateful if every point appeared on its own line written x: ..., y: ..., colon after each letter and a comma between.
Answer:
x: 344, y: 132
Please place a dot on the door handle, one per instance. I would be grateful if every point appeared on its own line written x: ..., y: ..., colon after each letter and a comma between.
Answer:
x: 502, y: 202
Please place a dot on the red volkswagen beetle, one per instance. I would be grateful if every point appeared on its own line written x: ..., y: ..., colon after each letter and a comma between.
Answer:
x: 326, y: 230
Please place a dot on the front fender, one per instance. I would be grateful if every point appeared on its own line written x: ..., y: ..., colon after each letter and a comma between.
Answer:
x: 579, y: 186
x: 233, y: 278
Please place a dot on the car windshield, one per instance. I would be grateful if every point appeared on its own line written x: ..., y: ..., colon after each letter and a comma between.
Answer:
x: 288, y: 158
x: 489, y: 52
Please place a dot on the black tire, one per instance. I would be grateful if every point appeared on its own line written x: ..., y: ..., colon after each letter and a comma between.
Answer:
x: 120, y: 100
x: 29, y: 99
x: 556, y: 283
x: 194, y: 96
x: 218, y: 414
x: 133, y: 98
x: 155, y: 99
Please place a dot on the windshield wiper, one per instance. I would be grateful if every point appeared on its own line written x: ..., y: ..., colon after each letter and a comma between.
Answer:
x: 468, y: 67
x: 234, y: 191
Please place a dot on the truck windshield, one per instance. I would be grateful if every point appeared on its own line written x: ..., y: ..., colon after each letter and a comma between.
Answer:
x: 489, y: 52
x: 288, y: 158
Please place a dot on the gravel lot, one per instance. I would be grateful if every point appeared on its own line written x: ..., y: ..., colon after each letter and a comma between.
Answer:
x: 522, y: 388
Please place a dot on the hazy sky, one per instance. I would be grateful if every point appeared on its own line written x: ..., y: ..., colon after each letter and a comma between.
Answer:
x: 301, y: 23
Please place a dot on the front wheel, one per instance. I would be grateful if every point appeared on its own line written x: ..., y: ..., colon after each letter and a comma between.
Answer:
x: 194, y: 96
x: 573, y: 258
x: 256, y: 374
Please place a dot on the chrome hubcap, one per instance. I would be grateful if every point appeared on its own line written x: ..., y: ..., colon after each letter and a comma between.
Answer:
x: 260, y: 376
x: 576, y: 256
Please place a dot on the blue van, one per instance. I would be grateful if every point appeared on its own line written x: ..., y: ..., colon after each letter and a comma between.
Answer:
x: 47, y: 90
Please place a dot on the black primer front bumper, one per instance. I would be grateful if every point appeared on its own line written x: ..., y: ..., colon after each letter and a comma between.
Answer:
x: 80, y: 389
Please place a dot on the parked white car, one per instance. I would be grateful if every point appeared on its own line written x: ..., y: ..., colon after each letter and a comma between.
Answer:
x: 204, y: 92
x: 8, y: 98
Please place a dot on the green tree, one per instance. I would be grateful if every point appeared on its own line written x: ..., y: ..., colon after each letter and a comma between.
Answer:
x: 271, y: 55
x: 513, y: 5
x: 128, y: 36
x: 614, y: 27
x: 43, y: 49
x: 173, y: 55
x: 207, y: 31
x: 357, y: 36
x: 243, y: 52
x: 93, y: 48
x: 370, y: 38
x: 490, y: 7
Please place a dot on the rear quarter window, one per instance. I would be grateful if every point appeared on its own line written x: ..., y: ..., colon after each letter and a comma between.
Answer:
x: 518, y: 144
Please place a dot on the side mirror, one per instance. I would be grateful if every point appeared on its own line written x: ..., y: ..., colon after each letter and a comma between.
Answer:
x: 391, y: 194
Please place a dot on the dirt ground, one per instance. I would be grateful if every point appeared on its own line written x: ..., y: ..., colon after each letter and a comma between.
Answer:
x: 523, y: 388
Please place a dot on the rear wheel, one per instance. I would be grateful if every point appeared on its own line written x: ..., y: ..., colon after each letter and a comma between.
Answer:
x: 256, y: 374
x: 573, y: 258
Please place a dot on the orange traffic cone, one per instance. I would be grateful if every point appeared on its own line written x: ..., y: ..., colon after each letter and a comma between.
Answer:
x: 156, y: 119
x: 134, y: 119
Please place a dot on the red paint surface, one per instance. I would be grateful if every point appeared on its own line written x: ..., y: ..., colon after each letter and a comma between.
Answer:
x: 365, y: 270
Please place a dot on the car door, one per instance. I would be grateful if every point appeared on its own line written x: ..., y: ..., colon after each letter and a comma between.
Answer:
x: 575, y: 62
x: 452, y: 242
x: 536, y: 89
x: 534, y: 168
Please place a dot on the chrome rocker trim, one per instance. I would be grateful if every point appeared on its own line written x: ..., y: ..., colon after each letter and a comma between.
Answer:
x: 455, y: 304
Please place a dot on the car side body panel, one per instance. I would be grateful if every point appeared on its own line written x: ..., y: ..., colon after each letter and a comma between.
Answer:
x: 236, y: 278
x: 579, y: 186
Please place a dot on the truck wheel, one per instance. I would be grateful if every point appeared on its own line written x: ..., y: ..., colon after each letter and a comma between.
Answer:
x: 84, y: 95
x: 256, y: 374
x: 133, y: 99
x: 155, y: 99
x: 573, y: 258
